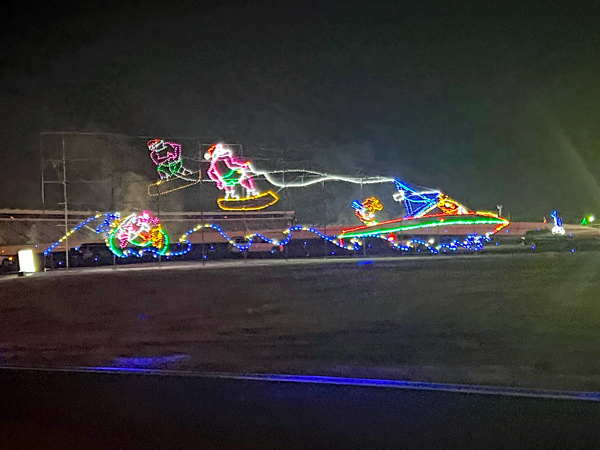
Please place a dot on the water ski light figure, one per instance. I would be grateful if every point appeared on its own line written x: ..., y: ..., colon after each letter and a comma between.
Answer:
x: 229, y: 172
x: 138, y: 230
x: 169, y: 163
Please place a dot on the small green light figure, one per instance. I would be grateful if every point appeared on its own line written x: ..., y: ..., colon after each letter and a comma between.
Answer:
x: 587, y: 220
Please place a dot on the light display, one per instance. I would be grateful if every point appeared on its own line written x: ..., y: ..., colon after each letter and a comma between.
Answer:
x: 168, y: 159
x: 366, y: 210
x: 557, y: 228
x: 418, y: 204
x: 235, y: 177
x: 419, y: 219
x: 139, y: 233
x: 588, y: 220
x: 169, y: 163
x: 415, y: 203
x: 229, y: 172
x: 142, y: 231
x: 430, y: 221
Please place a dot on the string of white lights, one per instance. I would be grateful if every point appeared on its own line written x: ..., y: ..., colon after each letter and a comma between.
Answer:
x: 315, y: 177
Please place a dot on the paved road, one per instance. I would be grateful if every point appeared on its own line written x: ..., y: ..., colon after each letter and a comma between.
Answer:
x: 43, y: 410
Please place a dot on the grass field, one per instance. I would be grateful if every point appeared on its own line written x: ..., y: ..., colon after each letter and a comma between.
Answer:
x: 515, y: 320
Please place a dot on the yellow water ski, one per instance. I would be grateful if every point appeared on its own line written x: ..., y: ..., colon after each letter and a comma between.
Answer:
x: 253, y: 203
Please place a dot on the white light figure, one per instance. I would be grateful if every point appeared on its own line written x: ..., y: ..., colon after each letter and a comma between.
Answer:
x: 398, y: 196
x: 557, y: 228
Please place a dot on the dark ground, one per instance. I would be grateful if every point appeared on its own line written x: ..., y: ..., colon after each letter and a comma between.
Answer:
x: 66, y: 410
x: 512, y: 320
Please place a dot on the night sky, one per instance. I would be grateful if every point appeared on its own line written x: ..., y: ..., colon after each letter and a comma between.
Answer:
x: 491, y: 104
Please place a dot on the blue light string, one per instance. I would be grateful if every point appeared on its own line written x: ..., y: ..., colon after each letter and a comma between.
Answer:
x: 251, y: 238
x: 472, y: 242
x: 82, y: 224
x: 105, y: 226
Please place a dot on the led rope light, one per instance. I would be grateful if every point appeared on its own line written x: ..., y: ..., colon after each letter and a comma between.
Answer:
x: 251, y: 237
x: 69, y: 233
x: 319, y: 177
x: 168, y: 159
x: 111, y: 228
x: 169, y: 163
x: 472, y: 242
x: 254, y: 203
x: 365, y: 231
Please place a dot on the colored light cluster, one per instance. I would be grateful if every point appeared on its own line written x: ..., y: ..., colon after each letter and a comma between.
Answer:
x: 139, y: 230
x: 169, y: 163
x: 472, y: 242
x: 366, y: 211
x: 418, y: 204
x: 415, y: 203
x: 227, y: 171
x: 69, y: 233
x: 449, y: 206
